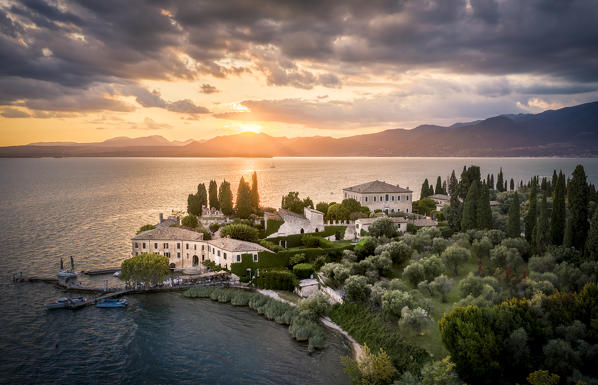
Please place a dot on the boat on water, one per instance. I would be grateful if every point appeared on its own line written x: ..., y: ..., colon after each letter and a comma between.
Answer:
x: 67, y: 273
x: 116, y: 274
x: 66, y: 303
x: 122, y: 302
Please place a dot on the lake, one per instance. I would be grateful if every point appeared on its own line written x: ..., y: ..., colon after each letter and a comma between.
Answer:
x: 91, y: 207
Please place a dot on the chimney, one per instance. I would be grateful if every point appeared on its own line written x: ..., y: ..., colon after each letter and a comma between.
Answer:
x: 161, y: 217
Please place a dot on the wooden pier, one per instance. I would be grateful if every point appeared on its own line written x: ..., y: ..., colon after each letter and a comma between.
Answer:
x: 108, y: 270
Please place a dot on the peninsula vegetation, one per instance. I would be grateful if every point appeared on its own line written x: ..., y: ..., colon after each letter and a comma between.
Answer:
x: 503, y: 290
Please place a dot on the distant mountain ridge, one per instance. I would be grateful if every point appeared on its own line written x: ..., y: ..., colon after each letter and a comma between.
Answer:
x: 567, y: 132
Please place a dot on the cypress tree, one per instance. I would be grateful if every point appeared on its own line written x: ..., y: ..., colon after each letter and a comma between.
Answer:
x: 469, y: 216
x: 544, y: 185
x: 225, y: 196
x: 514, y: 221
x: 591, y: 248
x: 577, y: 225
x: 541, y: 237
x: 444, y: 188
x: 531, y: 218
x: 554, y: 178
x: 425, y: 190
x: 439, y: 186
x: 488, y: 180
x: 255, y: 194
x: 453, y: 185
x: 512, y: 184
x: 202, y: 195
x: 484, y: 212
x: 557, y: 218
x: 499, y: 181
x: 192, y: 205
x: 243, y: 206
x: 213, y: 194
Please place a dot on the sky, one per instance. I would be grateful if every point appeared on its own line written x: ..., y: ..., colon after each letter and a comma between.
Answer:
x: 87, y: 71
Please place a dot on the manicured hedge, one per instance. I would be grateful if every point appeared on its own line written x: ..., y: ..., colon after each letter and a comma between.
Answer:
x: 303, y: 270
x: 294, y: 240
x: 369, y: 328
x: 276, y: 280
x: 265, y: 260
x: 272, y: 226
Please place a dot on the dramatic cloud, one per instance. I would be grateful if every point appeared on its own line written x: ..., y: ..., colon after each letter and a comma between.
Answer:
x: 78, y: 57
x: 14, y: 113
x: 208, y: 89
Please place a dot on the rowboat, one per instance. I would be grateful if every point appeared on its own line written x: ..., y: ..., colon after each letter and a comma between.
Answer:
x: 65, y: 303
x: 66, y: 273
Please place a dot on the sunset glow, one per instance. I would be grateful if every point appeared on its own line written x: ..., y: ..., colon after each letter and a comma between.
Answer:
x: 80, y: 72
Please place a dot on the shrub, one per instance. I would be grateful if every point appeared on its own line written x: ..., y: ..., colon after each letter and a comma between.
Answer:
x: 214, y: 227
x: 381, y: 263
x: 145, y: 228
x: 365, y: 247
x: 399, y: 252
x: 297, y: 258
x: 416, y: 319
x: 319, y: 262
x: 369, y: 328
x: 303, y: 329
x: 383, y: 227
x: 314, y: 307
x: 303, y: 270
x: 240, y: 231
x: 189, y: 221
x: 393, y: 302
x: 276, y: 280
x: 309, y: 240
x: 414, y: 273
x: 271, y: 246
x: 454, y: 256
x: 357, y: 288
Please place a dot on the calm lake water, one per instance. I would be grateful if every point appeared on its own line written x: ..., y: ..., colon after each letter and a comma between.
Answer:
x: 90, y: 207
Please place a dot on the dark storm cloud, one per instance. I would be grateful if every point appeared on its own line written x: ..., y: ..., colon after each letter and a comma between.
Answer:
x: 208, y: 89
x: 78, y: 44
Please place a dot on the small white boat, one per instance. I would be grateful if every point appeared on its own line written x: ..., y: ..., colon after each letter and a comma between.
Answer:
x: 116, y: 274
x: 66, y: 273
x: 65, y: 303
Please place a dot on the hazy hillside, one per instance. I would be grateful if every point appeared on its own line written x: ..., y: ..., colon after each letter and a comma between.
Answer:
x: 571, y: 131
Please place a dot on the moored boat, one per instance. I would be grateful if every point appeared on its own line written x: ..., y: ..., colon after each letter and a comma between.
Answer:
x: 122, y: 302
x: 65, y: 303
x: 66, y: 273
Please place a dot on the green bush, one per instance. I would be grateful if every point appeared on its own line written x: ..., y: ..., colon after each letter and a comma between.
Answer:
x: 303, y: 270
x: 314, y: 307
x: 369, y: 328
x: 309, y: 240
x: 272, y: 226
x: 240, y: 231
x: 276, y: 280
x: 214, y: 227
x: 145, y: 228
x: 212, y: 266
x: 271, y: 246
x: 190, y: 221
x: 295, y: 240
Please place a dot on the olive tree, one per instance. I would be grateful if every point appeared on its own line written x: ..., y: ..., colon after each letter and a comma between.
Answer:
x: 357, y: 288
x: 454, y: 256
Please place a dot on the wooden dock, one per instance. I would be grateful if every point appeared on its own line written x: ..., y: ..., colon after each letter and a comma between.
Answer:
x: 108, y: 270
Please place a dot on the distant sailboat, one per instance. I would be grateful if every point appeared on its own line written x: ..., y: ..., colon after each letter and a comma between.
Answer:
x: 67, y: 273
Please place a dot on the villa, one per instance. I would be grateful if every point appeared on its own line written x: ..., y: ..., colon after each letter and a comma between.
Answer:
x: 312, y: 221
x: 364, y: 224
x: 379, y: 195
x: 186, y: 249
x: 441, y: 200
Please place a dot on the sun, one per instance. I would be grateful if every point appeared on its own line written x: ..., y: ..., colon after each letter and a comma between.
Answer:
x: 253, y: 128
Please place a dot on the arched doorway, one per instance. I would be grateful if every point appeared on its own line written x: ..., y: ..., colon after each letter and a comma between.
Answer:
x: 195, y: 260
x: 172, y: 266
x: 302, y: 231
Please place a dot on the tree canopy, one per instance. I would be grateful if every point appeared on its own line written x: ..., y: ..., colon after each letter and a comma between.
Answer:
x: 225, y: 198
x: 145, y: 268
x: 243, y: 205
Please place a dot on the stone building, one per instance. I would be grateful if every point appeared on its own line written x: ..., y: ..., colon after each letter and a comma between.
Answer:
x: 379, y: 195
x: 187, y: 249
x: 364, y: 224
x: 312, y: 221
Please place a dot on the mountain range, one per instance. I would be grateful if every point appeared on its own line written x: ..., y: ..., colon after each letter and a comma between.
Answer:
x: 567, y: 132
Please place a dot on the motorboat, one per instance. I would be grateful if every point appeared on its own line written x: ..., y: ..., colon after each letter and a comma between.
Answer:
x: 122, y: 302
x: 65, y: 303
x: 67, y: 273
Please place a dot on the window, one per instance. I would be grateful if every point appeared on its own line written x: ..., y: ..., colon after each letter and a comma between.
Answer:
x: 374, y: 199
x: 238, y: 258
x: 136, y: 245
x: 143, y: 244
x: 366, y: 199
x: 202, y: 247
x: 381, y: 197
x: 178, y: 245
x: 167, y: 254
x: 136, y: 253
x: 187, y: 246
x: 194, y: 247
x: 398, y: 197
x: 407, y: 197
x: 386, y: 197
x: 178, y: 255
x: 218, y: 252
x: 224, y: 256
x: 254, y: 257
x: 155, y: 245
x: 392, y: 198
x: 209, y: 248
x: 166, y: 245
x: 406, y: 210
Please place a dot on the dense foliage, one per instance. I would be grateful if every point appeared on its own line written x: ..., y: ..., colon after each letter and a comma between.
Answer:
x: 240, y: 231
x: 145, y: 228
x: 145, y: 268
